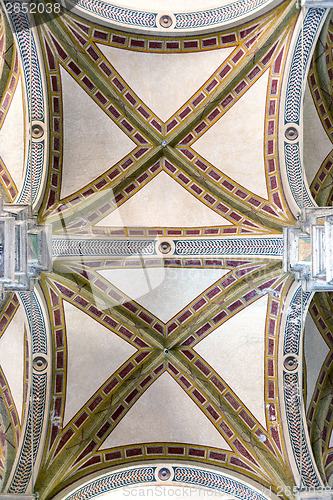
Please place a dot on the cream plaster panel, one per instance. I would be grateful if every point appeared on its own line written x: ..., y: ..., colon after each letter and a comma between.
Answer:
x: 92, y: 142
x: 12, y: 137
x: 165, y: 413
x: 235, y: 144
x: 12, y: 349
x: 315, y: 350
x: 236, y: 350
x: 163, y: 291
x: 166, y: 204
x: 94, y: 353
x: 316, y: 144
x: 165, y: 81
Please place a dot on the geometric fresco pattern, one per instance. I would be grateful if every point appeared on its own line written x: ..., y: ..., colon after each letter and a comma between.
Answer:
x: 60, y: 447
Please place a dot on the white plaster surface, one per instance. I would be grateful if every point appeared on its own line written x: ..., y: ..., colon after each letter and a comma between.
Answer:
x: 316, y: 144
x: 101, y: 352
x: 165, y: 413
x: 12, y: 357
x: 315, y: 351
x: 163, y: 291
x: 236, y: 350
x: 235, y: 144
x: 12, y: 137
x: 165, y: 81
x: 92, y: 141
x: 166, y: 204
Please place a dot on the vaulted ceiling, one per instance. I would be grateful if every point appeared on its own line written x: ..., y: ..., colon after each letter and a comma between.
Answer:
x: 159, y: 158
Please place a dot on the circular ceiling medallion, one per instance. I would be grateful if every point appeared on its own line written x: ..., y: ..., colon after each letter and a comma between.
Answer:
x: 165, y: 21
x: 291, y: 133
x: 37, y: 131
x: 164, y: 474
x: 290, y: 363
x: 39, y: 363
x: 164, y: 247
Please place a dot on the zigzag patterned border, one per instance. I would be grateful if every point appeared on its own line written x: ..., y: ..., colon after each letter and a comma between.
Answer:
x: 36, y: 321
x: 119, y: 15
x: 184, y: 20
x: 33, y: 174
x: 64, y: 247
x: 221, y: 483
x: 218, y: 482
x: 232, y: 246
x: 305, y: 40
x: 293, y: 330
x: 271, y: 247
x: 113, y: 481
x: 35, y: 416
x: 297, y: 431
x: 34, y: 99
x: 292, y: 390
x: 32, y: 435
x: 31, y: 68
x: 294, y: 93
x: 295, y: 176
x: 204, y: 18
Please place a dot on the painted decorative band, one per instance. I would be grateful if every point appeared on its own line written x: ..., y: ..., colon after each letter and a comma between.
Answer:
x: 184, y: 20
x: 113, y: 481
x: 34, y: 99
x: 36, y: 321
x: 119, y: 15
x: 212, y: 17
x: 305, y: 40
x: 231, y: 246
x: 221, y: 483
x: 64, y: 247
x: 292, y: 391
